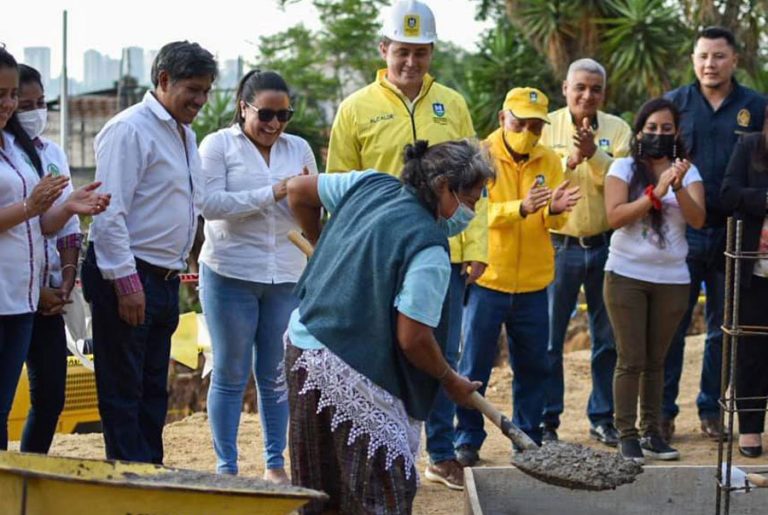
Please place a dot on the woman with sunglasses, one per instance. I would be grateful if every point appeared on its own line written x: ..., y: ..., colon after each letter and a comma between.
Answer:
x: 248, y: 266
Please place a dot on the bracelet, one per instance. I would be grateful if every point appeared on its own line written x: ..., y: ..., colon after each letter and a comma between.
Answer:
x: 444, y: 374
x: 675, y: 190
x: 655, y: 202
x: 26, y: 209
x: 70, y: 265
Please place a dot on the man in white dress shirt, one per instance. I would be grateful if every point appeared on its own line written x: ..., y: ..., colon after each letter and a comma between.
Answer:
x: 146, y: 157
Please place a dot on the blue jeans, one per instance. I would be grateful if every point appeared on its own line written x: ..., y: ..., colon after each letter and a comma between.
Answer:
x: 132, y: 363
x: 575, y: 266
x: 47, y: 371
x: 527, y: 322
x: 15, y: 335
x: 439, y: 424
x: 704, y: 253
x: 246, y: 321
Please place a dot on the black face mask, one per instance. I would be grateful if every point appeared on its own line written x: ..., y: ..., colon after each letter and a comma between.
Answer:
x: 657, y: 146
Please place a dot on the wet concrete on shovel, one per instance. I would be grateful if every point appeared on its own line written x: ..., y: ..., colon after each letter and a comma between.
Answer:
x: 576, y: 466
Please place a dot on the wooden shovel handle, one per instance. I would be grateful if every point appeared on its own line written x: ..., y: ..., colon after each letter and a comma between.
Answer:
x: 301, y: 242
x: 509, y: 429
x: 758, y: 480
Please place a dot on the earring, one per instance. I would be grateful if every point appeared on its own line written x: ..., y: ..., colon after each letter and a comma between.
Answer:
x: 674, y: 150
x: 640, y: 148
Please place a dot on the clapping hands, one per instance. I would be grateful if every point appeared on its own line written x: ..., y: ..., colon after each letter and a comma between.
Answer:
x: 672, y: 177
x: 536, y: 198
x: 564, y: 198
x: 86, y: 201
x: 44, y: 194
x: 583, y: 144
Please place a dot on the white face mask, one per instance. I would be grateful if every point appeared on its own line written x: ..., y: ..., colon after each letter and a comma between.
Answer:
x: 33, y: 122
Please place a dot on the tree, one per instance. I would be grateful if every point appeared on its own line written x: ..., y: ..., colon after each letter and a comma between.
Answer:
x: 349, y: 39
x: 216, y: 114
x: 642, y: 45
x: 296, y: 55
x: 505, y: 60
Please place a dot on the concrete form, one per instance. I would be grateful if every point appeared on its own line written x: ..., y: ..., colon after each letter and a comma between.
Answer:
x: 677, y: 490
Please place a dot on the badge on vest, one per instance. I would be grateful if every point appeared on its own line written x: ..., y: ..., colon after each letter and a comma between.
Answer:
x: 53, y: 170
x: 743, y: 118
x: 438, y: 109
x: 411, y: 25
x: 604, y: 144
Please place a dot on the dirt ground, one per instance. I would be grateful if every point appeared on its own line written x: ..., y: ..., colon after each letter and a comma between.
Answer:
x: 188, y: 442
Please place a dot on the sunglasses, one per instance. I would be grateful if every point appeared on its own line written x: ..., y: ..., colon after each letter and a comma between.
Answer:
x: 267, y: 115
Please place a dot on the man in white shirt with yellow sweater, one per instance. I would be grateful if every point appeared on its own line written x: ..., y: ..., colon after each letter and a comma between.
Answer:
x: 587, y: 140
x: 370, y: 131
x: 146, y: 157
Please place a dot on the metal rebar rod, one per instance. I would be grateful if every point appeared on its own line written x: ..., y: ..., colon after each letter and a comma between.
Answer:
x: 732, y: 369
x: 724, y: 382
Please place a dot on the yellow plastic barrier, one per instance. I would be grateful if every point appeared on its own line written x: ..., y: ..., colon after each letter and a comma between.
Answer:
x: 81, y: 409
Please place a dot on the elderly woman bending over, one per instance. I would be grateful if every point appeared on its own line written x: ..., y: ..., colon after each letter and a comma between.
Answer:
x: 364, y: 355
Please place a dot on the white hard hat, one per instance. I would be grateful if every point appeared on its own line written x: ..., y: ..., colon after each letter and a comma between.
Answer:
x: 410, y: 21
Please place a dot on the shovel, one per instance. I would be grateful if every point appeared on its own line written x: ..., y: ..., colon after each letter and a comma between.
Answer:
x: 569, y: 465
x: 562, y: 464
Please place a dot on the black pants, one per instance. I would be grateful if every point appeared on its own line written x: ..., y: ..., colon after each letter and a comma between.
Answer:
x: 47, y: 372
x: 752, y: 357
x: 132, y: 364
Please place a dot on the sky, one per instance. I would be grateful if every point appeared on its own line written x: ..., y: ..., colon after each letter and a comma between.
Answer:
x: 227, y: 28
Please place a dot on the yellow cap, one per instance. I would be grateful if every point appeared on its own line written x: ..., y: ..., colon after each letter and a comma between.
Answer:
x: 527, y: 103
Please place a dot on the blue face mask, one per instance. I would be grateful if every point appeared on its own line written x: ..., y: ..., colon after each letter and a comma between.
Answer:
x: 459, y: 220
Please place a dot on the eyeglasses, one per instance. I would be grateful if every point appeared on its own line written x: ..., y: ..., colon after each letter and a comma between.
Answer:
x: 267, y: 115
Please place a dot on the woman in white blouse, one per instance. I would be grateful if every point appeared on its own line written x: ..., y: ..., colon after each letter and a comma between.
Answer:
x: 248, y: 266
x: 47, y: 355
x: 26, y: 214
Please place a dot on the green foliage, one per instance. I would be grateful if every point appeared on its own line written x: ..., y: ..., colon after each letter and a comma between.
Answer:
x: 217, y: 113
x: 295, y: 54
x: 505, y: 60
x: 349, y: 39
x: 449, y: 65
x: 643, y: 43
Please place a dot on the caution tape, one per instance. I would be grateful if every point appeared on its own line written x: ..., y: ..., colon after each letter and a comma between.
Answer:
x: 189, y: 278
x: 582, y: 306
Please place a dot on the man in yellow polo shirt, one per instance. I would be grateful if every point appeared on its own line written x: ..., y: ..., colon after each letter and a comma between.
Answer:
x: 371, y: 128
x: 528, y: 198
x: 587, y: 140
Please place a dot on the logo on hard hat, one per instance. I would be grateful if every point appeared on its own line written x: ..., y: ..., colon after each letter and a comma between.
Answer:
x: 438, y: 109
x: 411, y: 25
x: 534, y: 97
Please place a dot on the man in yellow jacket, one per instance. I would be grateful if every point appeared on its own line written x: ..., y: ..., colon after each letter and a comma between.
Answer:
x: 522, y: 207
x: 371, y: 128
x: 587, y: 141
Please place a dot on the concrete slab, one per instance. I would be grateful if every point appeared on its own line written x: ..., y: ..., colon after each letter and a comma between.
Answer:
x: 680, y: 490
